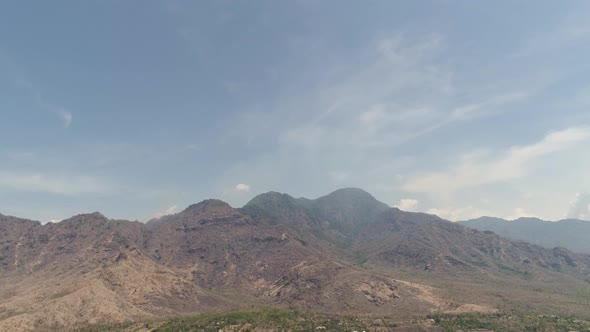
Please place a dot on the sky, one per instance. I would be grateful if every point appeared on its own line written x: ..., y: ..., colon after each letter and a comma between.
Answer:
x: 138, y: 108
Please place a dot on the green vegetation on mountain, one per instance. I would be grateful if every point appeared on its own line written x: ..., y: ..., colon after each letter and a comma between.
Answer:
x: 280, y: 320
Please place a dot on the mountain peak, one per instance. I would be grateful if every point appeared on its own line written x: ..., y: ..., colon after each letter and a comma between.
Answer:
x: 88, y: 216
x: 6, y: 218
x: 348, y: 208
x: 97, y: 215
x: 353, y: 196
x: 90, y: 219
x: 207, y: 209
x: 271, y: 198
x: 350, y: 192
x: 208, y: 205
x: 529, y: 219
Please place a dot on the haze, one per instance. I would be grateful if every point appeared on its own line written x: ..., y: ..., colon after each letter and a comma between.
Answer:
x: 138, y: 109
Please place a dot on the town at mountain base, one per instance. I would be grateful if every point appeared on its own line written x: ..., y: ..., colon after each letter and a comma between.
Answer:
x: 345, y: 253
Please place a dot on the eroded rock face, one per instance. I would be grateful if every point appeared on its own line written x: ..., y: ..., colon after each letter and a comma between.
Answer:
x: 378, y: 292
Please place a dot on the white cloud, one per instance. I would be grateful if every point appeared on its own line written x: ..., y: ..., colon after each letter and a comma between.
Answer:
x: 580, y: 207
x: 520, y: 213
x: 242, y: 187
x: 473, y: 171
x: 66, y: 117
x: 408, y: 204
x: 55, y: 184
x: 166, y: 212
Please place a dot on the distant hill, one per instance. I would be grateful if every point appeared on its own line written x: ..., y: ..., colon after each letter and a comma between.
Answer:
x: 572, y: 234
x: 345, y: 252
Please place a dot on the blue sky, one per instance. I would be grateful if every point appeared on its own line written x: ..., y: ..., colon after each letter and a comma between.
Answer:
x: 140, y: 108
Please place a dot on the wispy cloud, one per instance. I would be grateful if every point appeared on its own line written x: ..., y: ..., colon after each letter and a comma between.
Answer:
x: 403, y: 94
x: 167, y: 211
x: 359, y: 109
x: 580, y: 207
x: 193, y: 147
x: 50, y: 183
x: 407, y: 204
x: 366, y: 119
x: 473, y: 171
x: 486, y: 107
x: 22, y: 81
x: 242, y: 187
x: 65, y: 115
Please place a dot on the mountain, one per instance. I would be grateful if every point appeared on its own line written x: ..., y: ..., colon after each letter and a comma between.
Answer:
x: 568, y: 233
x: 345, y: 252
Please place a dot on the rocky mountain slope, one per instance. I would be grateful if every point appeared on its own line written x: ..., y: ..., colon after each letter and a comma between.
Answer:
x: 568, y: 233
x: 344, y: 252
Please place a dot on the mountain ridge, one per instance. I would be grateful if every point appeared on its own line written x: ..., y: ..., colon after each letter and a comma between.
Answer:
x: 568, y: 233
x: 342, y: 252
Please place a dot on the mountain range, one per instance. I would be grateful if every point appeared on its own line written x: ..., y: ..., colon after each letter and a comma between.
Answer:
x: 567, y: 233
x: 345, y: 252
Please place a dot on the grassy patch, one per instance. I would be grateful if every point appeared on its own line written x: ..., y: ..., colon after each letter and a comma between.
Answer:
x: 463, y: 321
x: 360, y: 259
x: 478, y: 263
x: 266, y: 318
x: 526, y: 275
x: 104, y: 328
x: 281, y: 319
x: 504, y: 322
